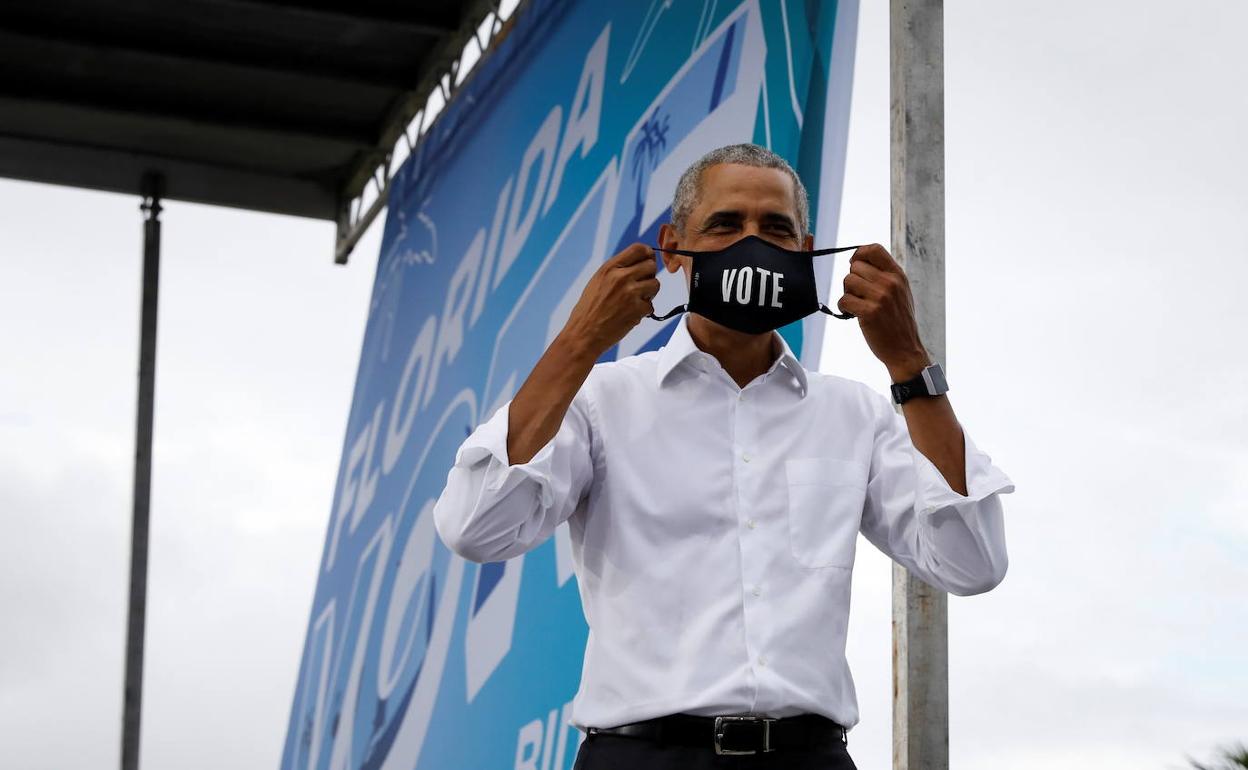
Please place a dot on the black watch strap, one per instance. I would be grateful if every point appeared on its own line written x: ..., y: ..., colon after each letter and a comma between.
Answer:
x: 929, y: 382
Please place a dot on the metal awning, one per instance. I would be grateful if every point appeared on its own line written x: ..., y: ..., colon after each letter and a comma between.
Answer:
x: 285, y: 106
x: 296, y: 107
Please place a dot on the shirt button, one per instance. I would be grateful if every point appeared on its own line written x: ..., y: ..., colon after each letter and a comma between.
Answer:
x: 745, y: 456
x: 758, y: 591
x: 762, y: 661
x: 751, y: 524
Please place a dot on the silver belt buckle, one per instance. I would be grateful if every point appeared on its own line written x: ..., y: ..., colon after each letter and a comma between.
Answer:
x: 719, y: 734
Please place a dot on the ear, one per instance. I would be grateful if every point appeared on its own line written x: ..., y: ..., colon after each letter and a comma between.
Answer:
x: 669, y: 238
x: 809, y: 244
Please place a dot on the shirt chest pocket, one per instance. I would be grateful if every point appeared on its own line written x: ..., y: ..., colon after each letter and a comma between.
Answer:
x: 826, y: 496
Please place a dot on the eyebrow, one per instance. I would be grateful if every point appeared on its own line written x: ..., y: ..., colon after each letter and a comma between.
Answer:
x: 735, y: 217
x: 776, y: 218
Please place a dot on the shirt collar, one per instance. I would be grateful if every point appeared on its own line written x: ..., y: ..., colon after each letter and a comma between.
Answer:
x: 681, y: 346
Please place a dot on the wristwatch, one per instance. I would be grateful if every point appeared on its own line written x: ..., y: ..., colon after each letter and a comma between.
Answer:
x: 930, y: 382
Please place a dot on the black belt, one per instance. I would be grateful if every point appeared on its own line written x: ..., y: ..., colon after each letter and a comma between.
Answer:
x: 734, y: 734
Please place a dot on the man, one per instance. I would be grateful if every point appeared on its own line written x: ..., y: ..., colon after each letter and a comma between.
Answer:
x: 714, y: 490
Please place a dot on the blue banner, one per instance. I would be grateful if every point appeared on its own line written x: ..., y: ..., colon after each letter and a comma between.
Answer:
x: 563, y: 146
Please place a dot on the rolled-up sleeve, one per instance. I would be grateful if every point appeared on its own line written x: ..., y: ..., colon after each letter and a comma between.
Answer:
x: 952, y: 541
x: 491, y: 510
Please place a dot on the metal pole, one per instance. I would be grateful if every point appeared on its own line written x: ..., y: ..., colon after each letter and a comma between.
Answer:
x: 920, y: 612
x: 153, y: 191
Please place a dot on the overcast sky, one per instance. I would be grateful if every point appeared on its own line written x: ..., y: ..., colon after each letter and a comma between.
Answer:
x: 1096, y: 197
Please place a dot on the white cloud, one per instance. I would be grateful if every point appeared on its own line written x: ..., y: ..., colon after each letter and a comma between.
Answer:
x: 259, y: 334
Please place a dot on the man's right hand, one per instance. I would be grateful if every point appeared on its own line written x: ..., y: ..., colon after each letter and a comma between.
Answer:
x: 615, y: 300
x: 617, y: 297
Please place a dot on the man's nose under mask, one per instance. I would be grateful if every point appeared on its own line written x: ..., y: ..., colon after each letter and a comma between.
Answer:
x: 753, y: 285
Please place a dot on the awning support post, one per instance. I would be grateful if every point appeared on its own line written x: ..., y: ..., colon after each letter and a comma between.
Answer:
x: 920, y: 612
x: 153, y: 191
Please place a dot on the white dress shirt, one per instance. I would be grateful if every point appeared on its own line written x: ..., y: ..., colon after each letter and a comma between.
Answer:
x: 713, y: 528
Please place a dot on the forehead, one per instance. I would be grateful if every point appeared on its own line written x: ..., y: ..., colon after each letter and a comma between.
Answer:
x: 746, y: 188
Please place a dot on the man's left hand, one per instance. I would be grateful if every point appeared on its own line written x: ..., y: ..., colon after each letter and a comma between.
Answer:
x: 877, y: 292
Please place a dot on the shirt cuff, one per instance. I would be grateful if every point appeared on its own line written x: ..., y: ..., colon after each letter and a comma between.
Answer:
x: 983, y: 479
x: 489, y: 441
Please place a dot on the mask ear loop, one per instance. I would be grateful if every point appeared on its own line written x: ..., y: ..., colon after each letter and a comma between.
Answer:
x: 817, y: 253
x: 669, y: 314
x: 678, y: 308
x: 843, y: 316
x: 822, y: 307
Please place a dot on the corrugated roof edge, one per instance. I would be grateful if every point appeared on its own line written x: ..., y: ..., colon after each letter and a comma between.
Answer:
x: 353, y: 220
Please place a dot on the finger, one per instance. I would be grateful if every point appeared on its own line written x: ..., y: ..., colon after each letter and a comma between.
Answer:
x: 866, y: 270
x: 648, y: 288
x: 641, y: 270
x: 861, y: 287
x: 875, y: 255
x: 884, y: 280
x: 637, y: 253
x: 848, y: 303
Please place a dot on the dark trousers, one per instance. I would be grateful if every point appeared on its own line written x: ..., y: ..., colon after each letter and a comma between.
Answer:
x: 617, y: 752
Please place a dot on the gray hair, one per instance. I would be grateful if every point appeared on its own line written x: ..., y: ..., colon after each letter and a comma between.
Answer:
x: 689, y: 188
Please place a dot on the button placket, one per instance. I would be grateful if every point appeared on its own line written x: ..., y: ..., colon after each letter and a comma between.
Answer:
x: 756, y: 614
x: 744, y: 488
x: 738, y: 409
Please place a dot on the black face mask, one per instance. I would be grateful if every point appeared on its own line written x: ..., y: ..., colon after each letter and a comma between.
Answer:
x: 753, y: 286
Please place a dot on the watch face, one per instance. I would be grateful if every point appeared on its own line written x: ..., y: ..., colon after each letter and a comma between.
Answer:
x: 935, y: 377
